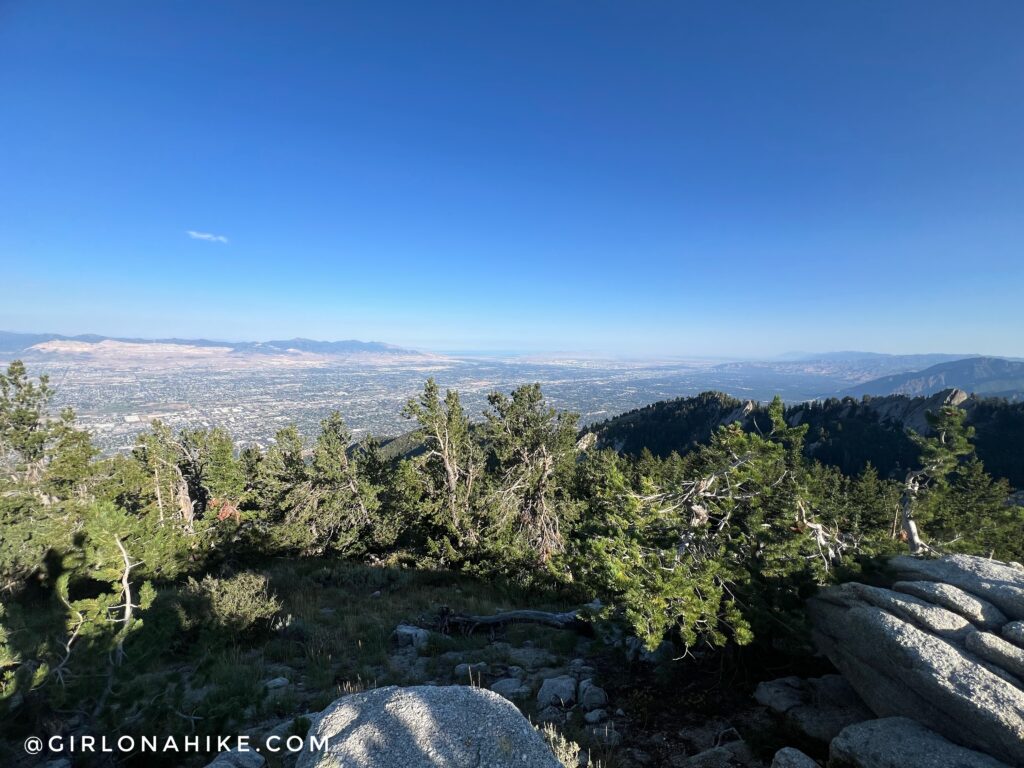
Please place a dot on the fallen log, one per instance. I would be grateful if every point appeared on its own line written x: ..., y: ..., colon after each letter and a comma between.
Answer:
x: 575, y: 620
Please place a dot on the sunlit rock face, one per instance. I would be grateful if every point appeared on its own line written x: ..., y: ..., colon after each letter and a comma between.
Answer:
x: 939, y: 648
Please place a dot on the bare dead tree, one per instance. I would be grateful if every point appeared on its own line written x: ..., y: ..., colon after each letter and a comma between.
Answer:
x: 459, y: 478
x: 183, y: 499
x: 61, y: 671
x: 127, y: 606
x: 450, y: 447
x: 911, y: 488
x: 575, y: 620
x: 159, y: 493
x: 831, y: 542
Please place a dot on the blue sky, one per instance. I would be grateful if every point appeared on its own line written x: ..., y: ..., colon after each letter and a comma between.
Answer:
x: 697, y: 178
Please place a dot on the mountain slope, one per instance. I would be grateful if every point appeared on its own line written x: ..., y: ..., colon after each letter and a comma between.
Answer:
x: 979, y: 375
x: 907, y: 362
x: 672, y: 425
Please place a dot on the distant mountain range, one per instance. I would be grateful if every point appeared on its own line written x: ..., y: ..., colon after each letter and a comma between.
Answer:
x: 795, y: 376
x: 33, y: 344
x: 808, y: 376
x: 850, y: 356
x: 991, y: 376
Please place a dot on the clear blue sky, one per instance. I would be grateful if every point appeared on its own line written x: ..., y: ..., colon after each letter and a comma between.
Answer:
x: 713, y: 178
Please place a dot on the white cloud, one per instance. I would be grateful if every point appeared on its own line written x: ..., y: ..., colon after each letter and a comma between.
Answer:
x: 207, y: 236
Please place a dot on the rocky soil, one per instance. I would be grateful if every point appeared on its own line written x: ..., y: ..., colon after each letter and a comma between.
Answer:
x: 930, y: 665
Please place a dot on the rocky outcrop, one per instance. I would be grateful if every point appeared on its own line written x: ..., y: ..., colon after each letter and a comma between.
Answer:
x: 977, y: 611
x: 406, y: 635
x: 927, y: 653
x: 1014, y: 632
x: 897, y: 742
x: 735, y: 754
x: 999, y: 583
x: 577, y: 690
x: 816, y: 709
x: 591, y: 695
x: 512, y: 688
x: 426, y: 727
x: 787, y: 757
x: 557, y: 692
x: 997, y: 651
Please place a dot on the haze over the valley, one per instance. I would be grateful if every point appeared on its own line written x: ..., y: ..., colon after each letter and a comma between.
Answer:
x: 118, y: 386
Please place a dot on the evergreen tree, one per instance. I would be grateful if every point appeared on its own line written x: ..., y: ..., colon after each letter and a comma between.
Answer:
x: 280, y: 485
x: 343, y: 500
x: 969, y: 512
x: 724, y: 543
x: 159, y: 452
x: 25, y: 429
x: 451, y: 463
x: 941, y: 452
x: 33, y: 522
x: 325, y: 504
x: 70, y: 469
x: 9, y: 659
x: 534, y: 449
x: 874, y: 505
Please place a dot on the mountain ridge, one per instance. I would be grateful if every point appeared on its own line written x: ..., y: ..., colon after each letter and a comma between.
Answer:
x: 14, y: 343
x: 989, y: 376
x: 846, y: 433
x: 855, y: 355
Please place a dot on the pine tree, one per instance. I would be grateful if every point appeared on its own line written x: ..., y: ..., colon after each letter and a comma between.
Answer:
x: 970, y: 512
x: 9, y: 659
x: 280, y: 487
x: 344, y: 502
x: 714, y: 546
x: 941, y: 451
x: 452, y: 462
x: 24, y: 427
x: 534, y: 449
x: 70, y: 469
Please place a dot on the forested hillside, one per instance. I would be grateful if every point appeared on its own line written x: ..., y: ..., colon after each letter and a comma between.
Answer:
x: 845, y: 433
x: 128, y: 579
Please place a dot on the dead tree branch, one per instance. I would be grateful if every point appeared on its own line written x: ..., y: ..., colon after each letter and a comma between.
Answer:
x: 448, y: 621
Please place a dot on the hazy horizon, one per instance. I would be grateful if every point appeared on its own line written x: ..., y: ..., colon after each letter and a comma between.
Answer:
x: 549, y: 353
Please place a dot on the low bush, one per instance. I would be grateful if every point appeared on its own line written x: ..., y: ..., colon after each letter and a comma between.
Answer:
x: 237, y: 604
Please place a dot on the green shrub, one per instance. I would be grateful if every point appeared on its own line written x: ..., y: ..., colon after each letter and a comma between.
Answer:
x: 237, y: 604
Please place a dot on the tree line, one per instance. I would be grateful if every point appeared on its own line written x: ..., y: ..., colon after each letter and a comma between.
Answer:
x: 714, y: 547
